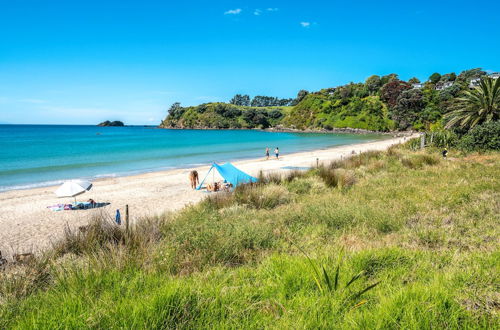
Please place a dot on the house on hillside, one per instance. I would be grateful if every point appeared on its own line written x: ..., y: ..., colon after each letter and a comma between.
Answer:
x: 417, y: 86
x: 446, y: 84
x: 474, y: 82
x: 494, y: 75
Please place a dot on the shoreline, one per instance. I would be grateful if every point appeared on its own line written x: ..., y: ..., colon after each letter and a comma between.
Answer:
x: 27, y: 225
x: 282, y: 129
x: 131, y: 173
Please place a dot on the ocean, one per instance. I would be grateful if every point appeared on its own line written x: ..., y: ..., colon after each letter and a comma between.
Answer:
x: 42, y: 155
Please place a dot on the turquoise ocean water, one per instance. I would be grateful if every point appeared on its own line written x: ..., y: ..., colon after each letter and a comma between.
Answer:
x: 42, y: 155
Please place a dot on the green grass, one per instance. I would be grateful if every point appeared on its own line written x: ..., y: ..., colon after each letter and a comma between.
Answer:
x: 423, y: 229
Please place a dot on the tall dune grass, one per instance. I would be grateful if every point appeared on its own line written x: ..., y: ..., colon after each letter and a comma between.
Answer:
x: 419, y: 237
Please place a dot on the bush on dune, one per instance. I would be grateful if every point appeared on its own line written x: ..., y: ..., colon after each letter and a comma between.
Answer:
x: 482, y: 137
x: 334, y: 178
x: 418, y: 161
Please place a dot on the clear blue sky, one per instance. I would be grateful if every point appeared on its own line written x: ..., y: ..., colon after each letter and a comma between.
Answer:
x: 80, y: 62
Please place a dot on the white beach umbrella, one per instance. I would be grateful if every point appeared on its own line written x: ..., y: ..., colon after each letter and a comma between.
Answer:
x: 73, y: 188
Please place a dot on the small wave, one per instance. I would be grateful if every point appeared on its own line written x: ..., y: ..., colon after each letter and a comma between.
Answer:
x: 105, y: 176
x: 31, y: 185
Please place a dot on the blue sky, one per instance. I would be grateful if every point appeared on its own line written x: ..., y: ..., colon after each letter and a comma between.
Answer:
x: 80, y: 62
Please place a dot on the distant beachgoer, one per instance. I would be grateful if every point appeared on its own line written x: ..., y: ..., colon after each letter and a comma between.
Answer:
x: 445, y: 153
x: 267, y: 153
x: 193, y: 178
x: 277, y: 153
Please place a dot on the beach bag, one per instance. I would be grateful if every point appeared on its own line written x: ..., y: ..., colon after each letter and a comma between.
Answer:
x: 118, y: 218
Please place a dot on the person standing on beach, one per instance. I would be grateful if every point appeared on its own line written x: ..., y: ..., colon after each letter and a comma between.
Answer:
x: 193, y: 178
x: 267, y: 153
x: 277, y: 153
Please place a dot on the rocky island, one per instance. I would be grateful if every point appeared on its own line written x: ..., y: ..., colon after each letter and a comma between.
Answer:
x: 111, y: 123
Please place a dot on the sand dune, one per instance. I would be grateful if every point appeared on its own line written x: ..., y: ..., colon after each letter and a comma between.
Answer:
x: 26, y: 225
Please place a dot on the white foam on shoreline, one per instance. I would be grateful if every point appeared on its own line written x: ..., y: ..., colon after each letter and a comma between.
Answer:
x: 128, y: 173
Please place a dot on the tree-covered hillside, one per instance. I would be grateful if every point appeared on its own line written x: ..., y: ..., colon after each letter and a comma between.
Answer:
x: 383, y: 103
x: 223, y: 115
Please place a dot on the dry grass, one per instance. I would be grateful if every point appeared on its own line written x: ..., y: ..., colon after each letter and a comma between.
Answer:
x: 337, y: 178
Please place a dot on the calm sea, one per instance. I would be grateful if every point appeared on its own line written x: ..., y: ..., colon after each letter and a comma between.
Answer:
x: 41, y: 155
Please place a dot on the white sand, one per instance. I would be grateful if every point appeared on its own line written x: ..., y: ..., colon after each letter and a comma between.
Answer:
x: 26, y: 225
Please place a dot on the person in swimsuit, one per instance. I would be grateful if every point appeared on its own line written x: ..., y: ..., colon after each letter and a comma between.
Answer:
x: 193, y: 178
x: 267, y: 153
x: 277, y: 153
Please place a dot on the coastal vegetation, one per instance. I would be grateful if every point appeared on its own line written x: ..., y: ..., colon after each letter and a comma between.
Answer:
x: 481, y: 105
x: 222, y: 115
x: 396, y: 239
x: 383, y: 104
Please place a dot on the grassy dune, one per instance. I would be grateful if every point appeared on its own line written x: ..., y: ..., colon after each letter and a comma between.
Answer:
x: 383, y: 240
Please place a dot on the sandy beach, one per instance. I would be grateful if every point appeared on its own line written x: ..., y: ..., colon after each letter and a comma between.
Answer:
x: 27, y: 225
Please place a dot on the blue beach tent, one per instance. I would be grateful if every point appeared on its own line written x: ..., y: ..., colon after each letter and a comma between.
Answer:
x: 230, y: 173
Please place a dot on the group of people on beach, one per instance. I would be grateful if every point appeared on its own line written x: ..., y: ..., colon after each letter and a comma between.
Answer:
x: 276, y: 153
x: 216, y: 186
x: 194, y: 178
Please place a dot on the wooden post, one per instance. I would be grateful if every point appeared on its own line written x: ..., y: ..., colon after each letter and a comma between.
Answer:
x: 126, y: 218
x: 422, y: 141
x: 317, y: 162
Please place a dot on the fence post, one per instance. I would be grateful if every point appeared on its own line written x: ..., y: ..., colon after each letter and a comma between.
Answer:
x: 126, y: 218
x: 422, y: 141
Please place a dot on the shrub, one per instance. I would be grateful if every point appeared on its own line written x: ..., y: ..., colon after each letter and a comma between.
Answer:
x: 101, y: 234
x: 413, y: 144
x: 336, y: 177
x: 278, y: 178
x: 418, y: 161
x: 97, y: 235
x: 356, y: 161
x: 269, y: 177
x: 262, y: 197
x: 409, y: 162
x: 265, y: 196
x: 300, y: 186
x: 441, y: 139
x: 482, y: 137
x: 20, y: 281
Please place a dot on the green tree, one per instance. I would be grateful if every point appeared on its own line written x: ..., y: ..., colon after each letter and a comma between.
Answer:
x: 300, y: 96
x: 256, y: 118
x: 175, y: 111
x: 388, y: 78
x: 239, y: 99
x: 275, y: 114
x: 373, y: 84
x: 480, y: 105
x: 449, y: 77
x: 435, y: 77
x: 268, y: 101
x: 414, y: 80
x: 409, y: 105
